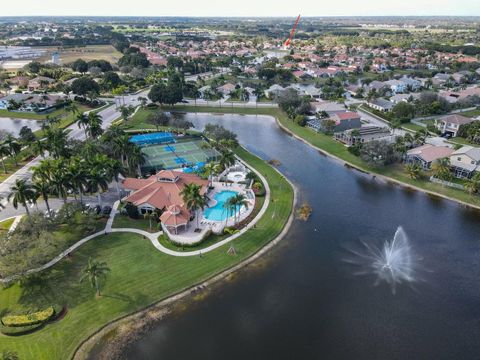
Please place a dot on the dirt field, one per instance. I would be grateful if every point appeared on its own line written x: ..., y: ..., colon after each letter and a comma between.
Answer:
x: 87, y: 53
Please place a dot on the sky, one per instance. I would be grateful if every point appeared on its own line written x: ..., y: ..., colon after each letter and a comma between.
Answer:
x: 240, y: 8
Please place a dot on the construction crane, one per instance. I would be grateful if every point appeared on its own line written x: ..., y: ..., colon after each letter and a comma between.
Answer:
x: 292, y: 33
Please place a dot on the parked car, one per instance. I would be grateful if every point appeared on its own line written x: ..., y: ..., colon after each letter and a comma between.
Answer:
x: 106, y: 210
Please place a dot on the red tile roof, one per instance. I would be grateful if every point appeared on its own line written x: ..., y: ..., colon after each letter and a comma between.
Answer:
x: 161, y: 194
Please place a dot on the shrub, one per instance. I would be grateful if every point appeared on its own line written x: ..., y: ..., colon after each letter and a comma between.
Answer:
x: 230, y: 231
x: 132, y: 211
x: 258, y: 189
x: 29, y: 319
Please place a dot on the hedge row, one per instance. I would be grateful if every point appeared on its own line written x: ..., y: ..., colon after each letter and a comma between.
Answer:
x: 29, y: 319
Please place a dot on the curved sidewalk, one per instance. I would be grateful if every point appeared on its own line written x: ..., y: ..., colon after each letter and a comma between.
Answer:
x: 153, y: 237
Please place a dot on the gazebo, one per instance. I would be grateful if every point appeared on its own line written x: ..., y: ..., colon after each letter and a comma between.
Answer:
x: 174, y: 218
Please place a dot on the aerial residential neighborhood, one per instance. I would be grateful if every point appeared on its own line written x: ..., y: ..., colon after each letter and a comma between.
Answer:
x: 259, y: 180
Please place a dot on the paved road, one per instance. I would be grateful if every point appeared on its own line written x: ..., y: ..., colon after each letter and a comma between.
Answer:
x: 109, y: 114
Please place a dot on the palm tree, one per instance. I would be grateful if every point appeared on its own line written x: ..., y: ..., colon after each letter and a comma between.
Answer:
x: 230, y: 207
x: 121, y: 147
x: 136, y: 158
x: 14, y: 146
x: 441, y: 169
x: 193, y: 199
x: 238, y: 201
x: 210, y: 171
x: 473, y: 185
x: 227, y: 159
x: 21, y: 193
x: 60, y: 182
x: 72, y: 108
x: 39, y: 147
x: 42, y: 189
x: 83, y: 122
x: 94, y: 124
x: 4, y: 151
x: 114, y: 169
x: 78, y: 176
x: 97, y: 181
x: 94, y: 272
x: 413, y: 170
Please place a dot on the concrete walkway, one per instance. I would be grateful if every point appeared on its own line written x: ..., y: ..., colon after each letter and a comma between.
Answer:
x: 153, y: 237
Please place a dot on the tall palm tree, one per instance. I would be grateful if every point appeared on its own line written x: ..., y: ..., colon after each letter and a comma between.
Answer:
x: 114, y: 170
x: 60, y: 182
x: 94, y: 124
x: 43, y: 189
x: 413, y: 170
x: 238, y: 201
x: 4, y: 152
x: 121, y: 147
x: 227, y: 159
x: 83, y: 122
x: 39, y: 147
x: 21, y: 193
x: 210, y: 171
x: 14, y: 146
x: 473, y: 185
x: 441, y: 169
x: 94, y: 272
x: 72, y: 108
x: 97, y: 180
x: 193, y: 199
x: 77, y: 174
x: 135, y: 159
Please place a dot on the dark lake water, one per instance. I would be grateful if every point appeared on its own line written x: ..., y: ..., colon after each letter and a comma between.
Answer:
x: 307, y: 303
x: 14, y: 126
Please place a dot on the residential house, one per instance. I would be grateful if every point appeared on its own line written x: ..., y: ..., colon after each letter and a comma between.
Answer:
x: 451, y: 124
x: 396, y: 86
x: 274, y: 91
x: 40, y: 82
x: 364, y: 135
x: 30, y: 102
x: 342, y: 121
x: 329, y: 107
x: 426, y: 155
x: 226, y: 89
x: 162, y: 192
x: 381, y: 104
x: 465, y: 161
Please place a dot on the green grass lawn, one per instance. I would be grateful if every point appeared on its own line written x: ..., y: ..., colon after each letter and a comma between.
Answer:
x: 412, y: 127
x: 328, y: 144
x: 123, y: 221
x: 140, y: 275
x: 5, y: 225
x: 471, y: 113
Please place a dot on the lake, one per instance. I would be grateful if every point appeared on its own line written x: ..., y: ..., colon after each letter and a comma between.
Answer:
x: 307, y: 301
x: 14, y: 126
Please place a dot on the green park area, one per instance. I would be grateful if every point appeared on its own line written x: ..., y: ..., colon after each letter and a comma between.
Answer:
x: 139, y: 276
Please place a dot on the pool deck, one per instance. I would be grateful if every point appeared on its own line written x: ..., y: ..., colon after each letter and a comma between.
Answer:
x: 189, y: 236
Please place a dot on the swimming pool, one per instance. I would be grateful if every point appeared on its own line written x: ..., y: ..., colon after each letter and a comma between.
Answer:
x: 218, y: 212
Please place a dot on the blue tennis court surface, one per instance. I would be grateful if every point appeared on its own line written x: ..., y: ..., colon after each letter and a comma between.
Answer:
x: 153, y: 138
x: 188, y: 153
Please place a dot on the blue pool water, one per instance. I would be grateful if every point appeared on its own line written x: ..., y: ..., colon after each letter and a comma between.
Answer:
x: 218, y: 212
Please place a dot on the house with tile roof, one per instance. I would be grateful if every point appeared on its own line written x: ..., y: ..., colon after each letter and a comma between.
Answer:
x: 451, y: 124
x: 426, y: 155
x: 162, y: 192
x: 465, y: 162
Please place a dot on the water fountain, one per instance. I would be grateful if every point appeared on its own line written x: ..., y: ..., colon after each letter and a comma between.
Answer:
x: 393, y: 262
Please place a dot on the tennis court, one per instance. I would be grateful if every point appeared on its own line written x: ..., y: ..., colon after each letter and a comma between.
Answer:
x: 182, y: 153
